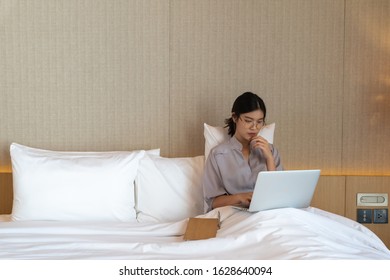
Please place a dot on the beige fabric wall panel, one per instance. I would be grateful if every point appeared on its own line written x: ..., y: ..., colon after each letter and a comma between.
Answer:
x: 127, y: 74
x: 288, y: 52
x: 84, y: 75
x: 366, y: 136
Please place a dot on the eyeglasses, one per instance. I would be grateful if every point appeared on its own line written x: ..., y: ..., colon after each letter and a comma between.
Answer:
x: 250, y: 123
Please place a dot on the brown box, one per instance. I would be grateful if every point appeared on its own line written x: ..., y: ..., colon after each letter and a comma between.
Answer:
x: 201, y: 228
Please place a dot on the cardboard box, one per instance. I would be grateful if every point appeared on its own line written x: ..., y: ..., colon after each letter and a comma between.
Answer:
x: 201, y: 228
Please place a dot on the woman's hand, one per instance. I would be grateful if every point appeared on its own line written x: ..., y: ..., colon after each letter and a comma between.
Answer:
x: 261, y: 143
x: 239, y: 199
x: 244, y: 199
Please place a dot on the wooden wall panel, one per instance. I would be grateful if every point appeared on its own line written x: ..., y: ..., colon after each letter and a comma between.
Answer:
x: 330, y: 194
x: 6, y: 193
x: 368, y: 184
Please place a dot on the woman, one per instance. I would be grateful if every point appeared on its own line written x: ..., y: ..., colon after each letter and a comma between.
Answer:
x: 232, y: 167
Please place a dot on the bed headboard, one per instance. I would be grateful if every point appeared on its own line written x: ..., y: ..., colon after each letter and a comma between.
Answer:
x: 148, y: 74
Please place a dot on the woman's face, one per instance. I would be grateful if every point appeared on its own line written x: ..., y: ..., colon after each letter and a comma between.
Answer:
x: 248, y: 125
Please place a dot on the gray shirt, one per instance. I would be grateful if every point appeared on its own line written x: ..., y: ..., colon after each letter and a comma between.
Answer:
x: 227, y: 171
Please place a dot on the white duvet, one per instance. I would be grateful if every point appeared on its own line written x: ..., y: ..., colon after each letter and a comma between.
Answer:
x: 274, y: 234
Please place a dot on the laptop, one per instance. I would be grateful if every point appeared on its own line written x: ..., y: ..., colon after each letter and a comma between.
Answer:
x: 281, y: 189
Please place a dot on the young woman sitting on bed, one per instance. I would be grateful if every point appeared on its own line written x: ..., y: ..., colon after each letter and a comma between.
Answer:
x: 231, y: 168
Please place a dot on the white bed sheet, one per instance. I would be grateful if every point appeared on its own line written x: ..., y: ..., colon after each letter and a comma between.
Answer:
x: 275, y: 234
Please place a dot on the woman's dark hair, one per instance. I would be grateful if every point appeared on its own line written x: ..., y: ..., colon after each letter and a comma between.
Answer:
x: 245, y: 103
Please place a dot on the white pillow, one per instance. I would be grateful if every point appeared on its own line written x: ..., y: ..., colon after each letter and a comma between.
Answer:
x: 169, y: 189
x: 215, y: 135
x: 73, y: 186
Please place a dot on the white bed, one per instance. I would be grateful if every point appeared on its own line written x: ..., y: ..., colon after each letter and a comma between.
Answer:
x: 136, y: 205
x: 304, y: 234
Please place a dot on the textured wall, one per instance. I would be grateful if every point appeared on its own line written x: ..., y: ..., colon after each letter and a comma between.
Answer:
x: 84, y: 74
x: 366, y: 103
x: 105, y: 75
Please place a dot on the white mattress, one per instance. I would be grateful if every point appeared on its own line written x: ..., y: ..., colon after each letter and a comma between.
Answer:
x: 273, y: 235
